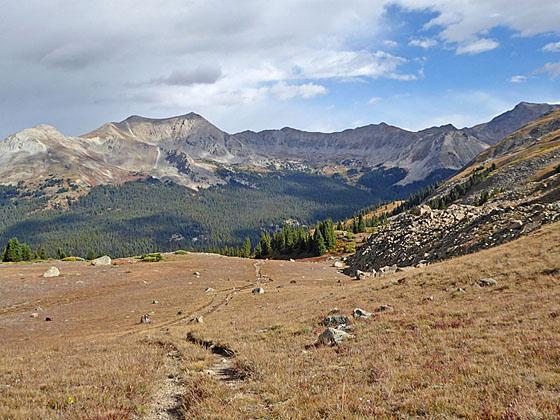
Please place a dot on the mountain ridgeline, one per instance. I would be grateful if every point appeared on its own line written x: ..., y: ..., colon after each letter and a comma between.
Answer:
x: 161, y: 184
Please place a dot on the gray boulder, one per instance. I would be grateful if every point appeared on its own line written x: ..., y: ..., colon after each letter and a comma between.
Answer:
x: 335, y: 320
x: 360, y: 313
x: 332, y: 337
x: 487, y: 282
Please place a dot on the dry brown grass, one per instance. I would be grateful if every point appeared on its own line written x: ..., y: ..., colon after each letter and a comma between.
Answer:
x: 487, y: 353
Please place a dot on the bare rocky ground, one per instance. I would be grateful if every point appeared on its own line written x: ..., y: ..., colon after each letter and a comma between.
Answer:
x: 440, y: 341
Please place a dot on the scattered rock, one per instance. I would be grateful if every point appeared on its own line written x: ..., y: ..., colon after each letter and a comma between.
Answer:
x: 104, y: 260
x: 360, y: 275
x: 332, y: 337
x: 293, y: 282
x: 335, y: 320
x: 487, y: 282
x: 292, y: 260
x: 200, y: 320
x: 360, y: 313
x: 196, y: 274
x: 48, y: 319
x: 209, y: 290
x: 155, y: 302
x: 34, y: 315
x: 257, y: 291
x: 385, y: 308
x: 52, y: 272
x: 145, y: 319
x: 338, y: 264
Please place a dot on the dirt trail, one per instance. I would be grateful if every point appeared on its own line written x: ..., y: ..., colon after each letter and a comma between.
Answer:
x: 168, y: 398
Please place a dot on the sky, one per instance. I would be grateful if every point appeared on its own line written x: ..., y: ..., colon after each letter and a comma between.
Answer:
x: 322, y: 65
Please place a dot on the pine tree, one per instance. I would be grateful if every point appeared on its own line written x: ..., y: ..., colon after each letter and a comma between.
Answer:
x: 41, y: 254
x: 12, y: 253
x: 26, y: 254
x: 319, y: 247
x: 361, y: 224
x: 246, y: 250
x: 60, y: 254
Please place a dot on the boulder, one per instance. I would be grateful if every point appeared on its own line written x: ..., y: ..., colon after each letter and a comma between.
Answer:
x: 360, y: 313
x: 487, y: 282
x: 360, y: 275
x: 155, y: 302
x: 335, y: 320
x: 338, y: 264
x: 52, y: 272
x: 209, y: 290
x: 332, y: 337
x: 145, y: 319
x: 257, y: 291
x: 104, y: 260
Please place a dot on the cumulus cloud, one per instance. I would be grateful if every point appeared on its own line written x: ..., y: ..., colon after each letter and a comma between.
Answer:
x: 552, y: 47
x: 478, y: 46
x: 423, y: 43
x: 286, y: 91
x: 518, y: 79
x: 102, y: 60
x: 552, y: 69
x: 374, y: 101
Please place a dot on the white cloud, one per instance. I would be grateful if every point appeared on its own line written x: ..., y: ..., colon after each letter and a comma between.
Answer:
x: 286, y: 91
x: 478, y: 46
x: 390, y: 43
x: 374, y: 101
x: 518, y: 79
x: 423, y: 43
x: 552, y: 47
x: 552, y: 69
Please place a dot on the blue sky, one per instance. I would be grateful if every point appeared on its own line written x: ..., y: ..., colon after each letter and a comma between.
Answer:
x: 250, y: 64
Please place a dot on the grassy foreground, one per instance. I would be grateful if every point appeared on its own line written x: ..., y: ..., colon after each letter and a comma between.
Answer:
x: 450, y: 348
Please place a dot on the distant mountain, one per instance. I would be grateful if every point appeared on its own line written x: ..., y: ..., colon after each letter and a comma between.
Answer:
x: 161, y: 184
x: 510, y: 189
x: 503, y: 125
x: 192, y: 152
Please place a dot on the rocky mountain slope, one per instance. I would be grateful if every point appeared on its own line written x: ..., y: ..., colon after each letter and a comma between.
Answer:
x: 511, y: 189
x: 192, y: 152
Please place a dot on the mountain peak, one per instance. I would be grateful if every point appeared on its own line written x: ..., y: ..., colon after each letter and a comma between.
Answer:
x: 139, y: 118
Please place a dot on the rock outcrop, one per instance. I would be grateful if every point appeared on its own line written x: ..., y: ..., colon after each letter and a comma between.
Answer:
x: 519, y: 192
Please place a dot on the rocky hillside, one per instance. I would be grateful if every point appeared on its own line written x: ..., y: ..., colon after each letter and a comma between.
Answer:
x: 511, y: 189
x: 192, y: 152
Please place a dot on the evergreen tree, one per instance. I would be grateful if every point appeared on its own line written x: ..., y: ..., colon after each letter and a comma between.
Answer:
x: 41, y: 254
x: 319, y: 247
x: 26, y: 254
x: 60, y: 254
x: 12, y: 253
x: 246, y: 250
x: 361, y: 224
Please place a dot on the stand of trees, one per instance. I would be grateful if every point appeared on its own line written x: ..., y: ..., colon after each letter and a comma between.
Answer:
x: 16, y: 252
x: 293, y: 241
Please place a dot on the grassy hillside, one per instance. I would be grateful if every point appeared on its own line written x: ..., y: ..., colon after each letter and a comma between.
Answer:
x: 449, y: 348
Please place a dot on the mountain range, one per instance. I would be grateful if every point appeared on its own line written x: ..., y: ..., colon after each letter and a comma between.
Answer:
x: 143, y: 184
x: 192, y: 152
